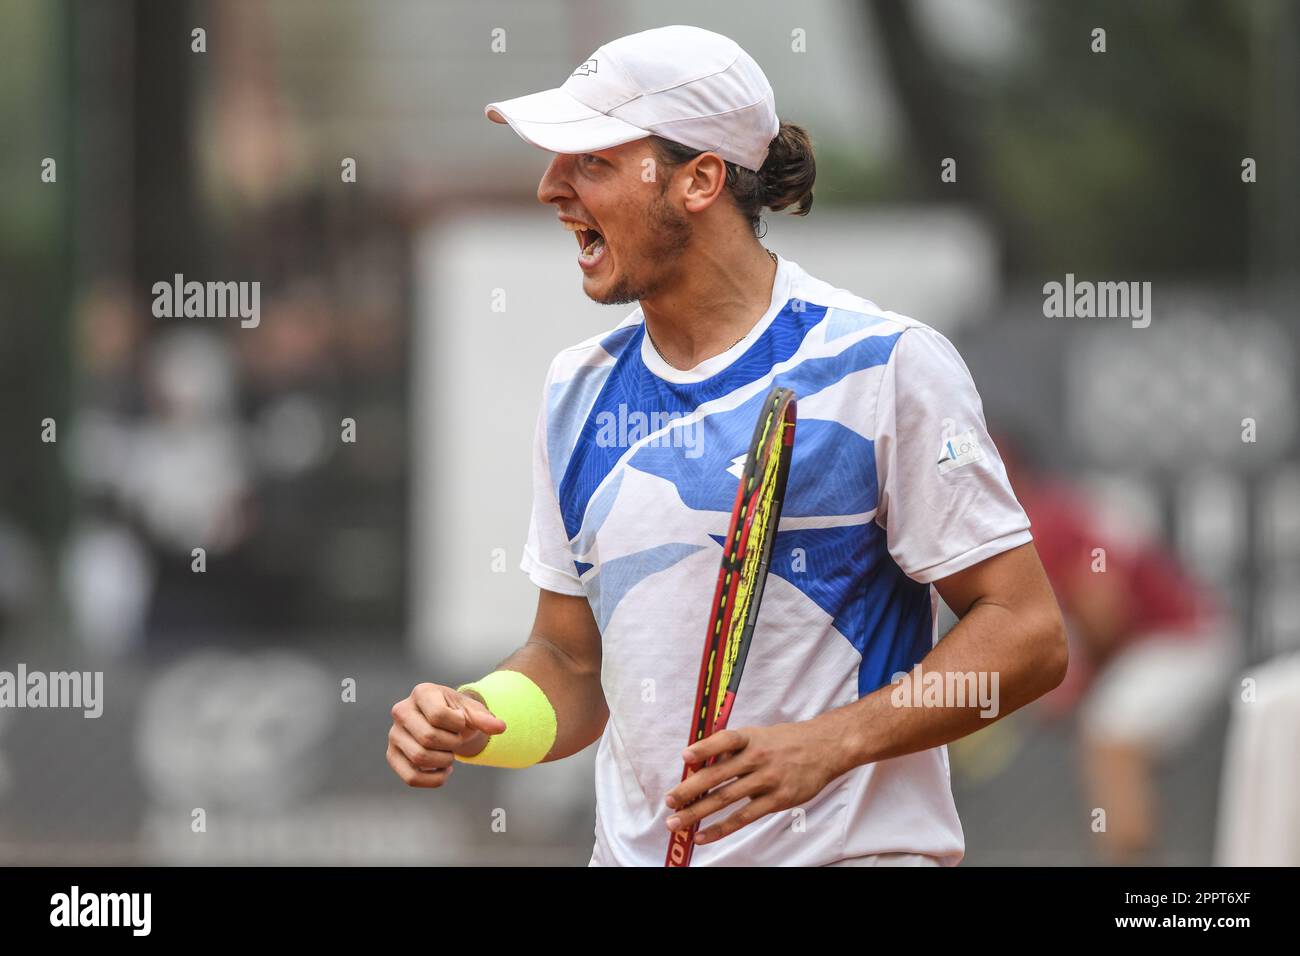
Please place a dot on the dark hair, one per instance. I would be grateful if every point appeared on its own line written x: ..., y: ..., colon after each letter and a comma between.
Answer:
x: 785, y: 179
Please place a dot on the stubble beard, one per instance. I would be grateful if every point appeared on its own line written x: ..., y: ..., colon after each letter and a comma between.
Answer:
x: 670, y: 235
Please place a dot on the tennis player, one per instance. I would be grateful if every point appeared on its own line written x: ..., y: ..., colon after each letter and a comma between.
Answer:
x: 667, y: 148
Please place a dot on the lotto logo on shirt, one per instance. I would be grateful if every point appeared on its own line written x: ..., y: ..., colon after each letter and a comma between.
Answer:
x: 623, y: 428
x: 960, y: 450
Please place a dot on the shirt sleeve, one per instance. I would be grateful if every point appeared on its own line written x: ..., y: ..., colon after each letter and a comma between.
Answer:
x: 945, y: 501
x: 548, y: 560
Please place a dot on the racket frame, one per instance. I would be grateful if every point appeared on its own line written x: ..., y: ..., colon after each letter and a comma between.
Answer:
x: 714, y: 701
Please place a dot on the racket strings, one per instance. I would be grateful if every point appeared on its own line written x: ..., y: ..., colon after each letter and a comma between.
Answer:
x: 758, y: 530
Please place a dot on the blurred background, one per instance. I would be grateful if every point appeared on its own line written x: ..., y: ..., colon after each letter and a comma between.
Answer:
x: 355, y: 467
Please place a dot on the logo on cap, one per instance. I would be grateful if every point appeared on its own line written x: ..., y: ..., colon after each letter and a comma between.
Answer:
x: 586, y: 69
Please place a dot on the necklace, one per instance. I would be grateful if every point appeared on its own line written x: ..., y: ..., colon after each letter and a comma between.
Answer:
x: 728, y: 348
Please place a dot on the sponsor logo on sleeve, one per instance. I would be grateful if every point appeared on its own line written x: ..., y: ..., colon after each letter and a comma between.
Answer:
x: 960, y: 450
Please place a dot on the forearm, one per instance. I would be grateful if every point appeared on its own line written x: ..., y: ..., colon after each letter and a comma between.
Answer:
x: 1016, y: 657
x: 573, y: 690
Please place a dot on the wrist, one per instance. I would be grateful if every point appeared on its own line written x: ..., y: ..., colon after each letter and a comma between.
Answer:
x: 530, y: 721
x: 845, y: 729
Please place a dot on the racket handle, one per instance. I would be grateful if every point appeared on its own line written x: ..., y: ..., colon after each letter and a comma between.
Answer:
x: 682, y: 846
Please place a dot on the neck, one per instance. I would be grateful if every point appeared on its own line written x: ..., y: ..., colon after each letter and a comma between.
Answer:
x: 712, y: 305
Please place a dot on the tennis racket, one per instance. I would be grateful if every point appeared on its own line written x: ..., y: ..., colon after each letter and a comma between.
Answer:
x: 746, y: 556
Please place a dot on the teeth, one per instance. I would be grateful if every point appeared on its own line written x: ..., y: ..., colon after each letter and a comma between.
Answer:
x: 591, y: 246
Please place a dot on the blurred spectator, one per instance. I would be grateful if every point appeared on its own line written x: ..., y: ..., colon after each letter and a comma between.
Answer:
x: 1151, y: 649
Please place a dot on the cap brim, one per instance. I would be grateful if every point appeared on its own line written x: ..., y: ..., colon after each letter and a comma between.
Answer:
x: 553, y: 120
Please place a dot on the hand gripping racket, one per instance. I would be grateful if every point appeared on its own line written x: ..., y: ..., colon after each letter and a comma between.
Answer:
x: 746, y: 555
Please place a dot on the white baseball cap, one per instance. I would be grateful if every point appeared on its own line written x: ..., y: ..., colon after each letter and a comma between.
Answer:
x: 685, y: 84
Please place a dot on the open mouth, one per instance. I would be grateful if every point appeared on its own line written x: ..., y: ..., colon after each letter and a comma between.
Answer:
x: 591, y: 244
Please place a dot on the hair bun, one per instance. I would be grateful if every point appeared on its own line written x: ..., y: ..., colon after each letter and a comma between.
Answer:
x: 789, y: 171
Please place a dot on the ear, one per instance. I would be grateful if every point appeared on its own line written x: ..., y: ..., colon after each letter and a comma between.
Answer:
x: 704, y: 178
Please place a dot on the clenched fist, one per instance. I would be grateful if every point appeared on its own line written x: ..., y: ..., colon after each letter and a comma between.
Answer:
x: 431, y: 727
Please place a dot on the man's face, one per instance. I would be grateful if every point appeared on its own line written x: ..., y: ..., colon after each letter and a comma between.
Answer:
x: 615, y: 202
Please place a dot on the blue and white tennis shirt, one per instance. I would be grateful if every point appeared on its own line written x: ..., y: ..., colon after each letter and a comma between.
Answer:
x: 894, y: 484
